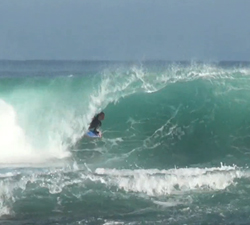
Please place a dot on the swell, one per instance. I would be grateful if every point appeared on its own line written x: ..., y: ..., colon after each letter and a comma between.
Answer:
x: 185, y: 123
x: 174, y: 115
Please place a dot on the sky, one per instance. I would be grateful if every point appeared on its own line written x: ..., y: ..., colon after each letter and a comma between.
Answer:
x: 208, y: 30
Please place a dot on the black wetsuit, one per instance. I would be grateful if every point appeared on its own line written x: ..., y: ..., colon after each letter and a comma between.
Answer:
x: 95, y: 124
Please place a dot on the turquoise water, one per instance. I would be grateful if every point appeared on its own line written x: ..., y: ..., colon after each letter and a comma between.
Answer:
x: 175, y: 146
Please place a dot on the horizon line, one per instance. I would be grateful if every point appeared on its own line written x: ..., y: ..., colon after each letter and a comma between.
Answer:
x: 127, y: 60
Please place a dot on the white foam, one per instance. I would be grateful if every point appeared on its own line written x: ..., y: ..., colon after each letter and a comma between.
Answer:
x: 169, y: 203
x: 13, y: 143
x: 195, y: 71
x: 6, y: 193
x: 15, y: 147
x: 173, y: 181
x: 4, y: 210
x: 113, y: 223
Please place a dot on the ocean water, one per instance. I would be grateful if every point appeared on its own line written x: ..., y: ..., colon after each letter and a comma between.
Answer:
x: 175, y: 146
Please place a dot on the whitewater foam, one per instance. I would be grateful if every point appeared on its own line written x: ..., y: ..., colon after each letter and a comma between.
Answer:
x: 156, y: 182
x: 16, y: 147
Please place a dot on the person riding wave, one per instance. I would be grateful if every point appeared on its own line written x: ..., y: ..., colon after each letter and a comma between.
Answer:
x: 96, y: 122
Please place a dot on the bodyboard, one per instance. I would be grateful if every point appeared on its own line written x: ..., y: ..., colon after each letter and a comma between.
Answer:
x: 91, y: 134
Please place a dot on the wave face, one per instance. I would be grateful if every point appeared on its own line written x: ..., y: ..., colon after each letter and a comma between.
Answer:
x: 175, y: 139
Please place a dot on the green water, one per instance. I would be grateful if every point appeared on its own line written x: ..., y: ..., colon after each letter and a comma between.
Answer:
x: 175, y: 146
